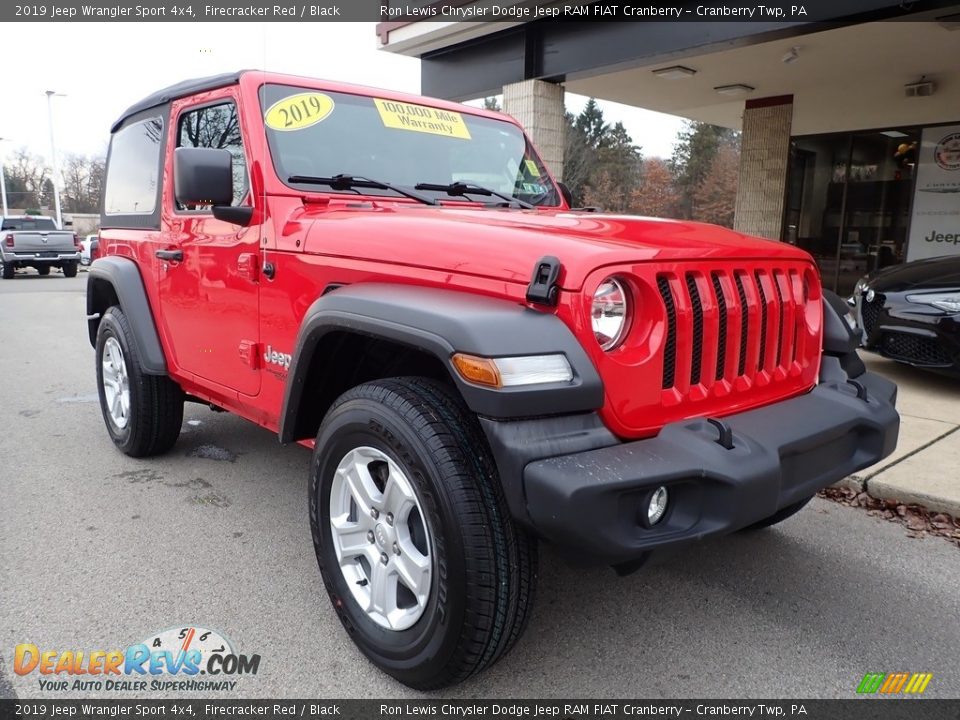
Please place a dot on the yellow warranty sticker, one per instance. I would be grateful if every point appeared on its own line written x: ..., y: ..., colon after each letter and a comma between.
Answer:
x: 299, y: 111
x: 532, y: 168
x: 420, y: 118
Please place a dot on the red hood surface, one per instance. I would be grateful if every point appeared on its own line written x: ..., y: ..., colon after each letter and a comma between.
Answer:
x: 504, y: 244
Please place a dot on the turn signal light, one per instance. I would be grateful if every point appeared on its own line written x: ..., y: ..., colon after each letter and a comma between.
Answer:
x: 506, y: 372
x: 482, y: 371
x: 8, y: 241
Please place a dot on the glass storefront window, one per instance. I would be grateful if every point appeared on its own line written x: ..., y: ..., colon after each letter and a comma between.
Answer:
x: 848, y: 201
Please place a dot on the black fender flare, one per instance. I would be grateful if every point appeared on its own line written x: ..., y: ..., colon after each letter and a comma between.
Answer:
x: 123, y: 275
x: 442, y: 322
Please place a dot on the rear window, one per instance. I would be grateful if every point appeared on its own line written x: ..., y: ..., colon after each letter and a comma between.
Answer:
x: 134, y: 172
x: 28, y: 223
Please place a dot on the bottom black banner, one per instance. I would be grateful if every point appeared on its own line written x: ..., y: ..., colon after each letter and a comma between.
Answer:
x: 862, y: 709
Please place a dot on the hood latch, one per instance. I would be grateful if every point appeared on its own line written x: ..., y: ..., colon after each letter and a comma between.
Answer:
x: 543, y: 288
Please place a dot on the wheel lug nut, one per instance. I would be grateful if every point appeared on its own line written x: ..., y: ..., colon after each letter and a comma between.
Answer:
x: 370, y: 535
x: 374, y: 513
x: 396, y: 549
x: 383, y: 558
x: 389, y: 518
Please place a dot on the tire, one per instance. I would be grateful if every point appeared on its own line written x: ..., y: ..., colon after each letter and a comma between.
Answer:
x: 150, y: 424
x: 482, y: 567
x: 43, y: 270
x: 69, y: 269
x: 8, y: 271
x: 779, y: 516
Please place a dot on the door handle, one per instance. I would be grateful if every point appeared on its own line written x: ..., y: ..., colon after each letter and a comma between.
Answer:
x: 172, y: 255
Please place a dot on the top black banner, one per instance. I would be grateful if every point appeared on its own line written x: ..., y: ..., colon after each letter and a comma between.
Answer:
x: 509, y: 11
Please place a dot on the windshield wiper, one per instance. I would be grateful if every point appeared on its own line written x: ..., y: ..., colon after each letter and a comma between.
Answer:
x: 462, y: 188
x: 348, y: 182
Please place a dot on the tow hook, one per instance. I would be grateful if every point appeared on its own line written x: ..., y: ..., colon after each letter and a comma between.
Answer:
x: 725, y: 439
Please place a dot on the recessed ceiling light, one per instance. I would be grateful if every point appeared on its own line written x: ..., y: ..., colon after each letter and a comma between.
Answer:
x: 675, y: 72
x: 737, y: 89
x: 894, y: 134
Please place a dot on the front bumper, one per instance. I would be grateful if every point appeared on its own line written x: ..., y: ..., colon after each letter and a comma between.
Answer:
x: 910, y: 333
x: 595, y: 501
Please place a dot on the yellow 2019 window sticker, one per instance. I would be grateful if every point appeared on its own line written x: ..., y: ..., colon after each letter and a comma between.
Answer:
x: 299, y: 111
x: 532, y: 168
x: 420, y: 118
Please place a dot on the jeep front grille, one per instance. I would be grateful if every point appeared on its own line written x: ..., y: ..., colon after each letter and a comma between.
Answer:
x: 743, y: 327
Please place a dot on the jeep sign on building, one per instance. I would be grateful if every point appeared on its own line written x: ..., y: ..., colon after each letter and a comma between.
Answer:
x: 935, y: 227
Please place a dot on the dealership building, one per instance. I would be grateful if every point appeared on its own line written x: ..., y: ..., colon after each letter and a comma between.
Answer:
x: 850, y: 129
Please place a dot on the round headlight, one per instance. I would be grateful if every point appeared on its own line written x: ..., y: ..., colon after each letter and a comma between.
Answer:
x: 609, y: 313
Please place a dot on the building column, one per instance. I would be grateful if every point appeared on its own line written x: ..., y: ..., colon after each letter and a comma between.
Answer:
x: 538, y: 106
x: 764, y: 160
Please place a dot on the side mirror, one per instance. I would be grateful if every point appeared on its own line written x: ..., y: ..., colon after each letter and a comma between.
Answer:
x: 565, y: 192
x: 202, y: 176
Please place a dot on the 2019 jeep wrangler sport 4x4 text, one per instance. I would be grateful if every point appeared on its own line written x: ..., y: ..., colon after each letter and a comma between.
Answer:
x: 398, y: 283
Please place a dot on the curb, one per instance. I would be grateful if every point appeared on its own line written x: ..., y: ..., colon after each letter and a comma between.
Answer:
x: 876, y: 488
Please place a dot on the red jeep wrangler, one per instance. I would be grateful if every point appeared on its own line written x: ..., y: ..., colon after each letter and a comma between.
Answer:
x: 398, y: 283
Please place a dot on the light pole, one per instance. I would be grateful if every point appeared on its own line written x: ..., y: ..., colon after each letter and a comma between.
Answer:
x: 53, y: 154
x: 3, y: 180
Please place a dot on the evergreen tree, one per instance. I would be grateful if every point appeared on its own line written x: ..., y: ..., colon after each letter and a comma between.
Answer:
x: 697, y: 146
x: 601, y: 162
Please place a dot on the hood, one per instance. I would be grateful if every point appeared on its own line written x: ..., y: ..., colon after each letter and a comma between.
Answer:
x: 505, y: 244
x: 930, y: 274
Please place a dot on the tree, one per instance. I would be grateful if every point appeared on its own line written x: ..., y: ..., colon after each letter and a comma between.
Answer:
x: 693, y: 155
x: 715, y: 198
x: 82, y: 183
x: 601, y: 162
x: 27, y: 179
x: 656, y: 196
x: 579, y: 160
x: 590, y: 123
x: 618, y: 172
x: 492, y: 103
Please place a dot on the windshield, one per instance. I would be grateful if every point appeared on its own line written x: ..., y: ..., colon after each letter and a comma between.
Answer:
x: 323, y: 134
x: 28, y: 223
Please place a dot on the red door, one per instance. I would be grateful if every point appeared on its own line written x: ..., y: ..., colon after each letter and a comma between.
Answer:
x: 209, y: 293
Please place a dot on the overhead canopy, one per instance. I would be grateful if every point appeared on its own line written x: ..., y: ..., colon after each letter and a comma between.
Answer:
x: 841, y: 76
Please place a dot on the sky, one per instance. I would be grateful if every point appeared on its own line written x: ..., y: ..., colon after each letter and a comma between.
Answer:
x: 109, y: 66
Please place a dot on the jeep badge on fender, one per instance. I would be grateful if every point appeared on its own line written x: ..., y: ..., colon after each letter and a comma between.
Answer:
x: 476, y: 366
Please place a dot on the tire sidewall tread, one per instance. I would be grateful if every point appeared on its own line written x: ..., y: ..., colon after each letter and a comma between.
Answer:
x: 156, y: 402
x: 482, y: 584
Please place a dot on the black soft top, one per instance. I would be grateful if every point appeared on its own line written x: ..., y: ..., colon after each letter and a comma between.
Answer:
x: 179, y: 90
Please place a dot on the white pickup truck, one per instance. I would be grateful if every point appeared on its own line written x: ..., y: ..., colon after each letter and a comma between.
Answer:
x: 34, y: 241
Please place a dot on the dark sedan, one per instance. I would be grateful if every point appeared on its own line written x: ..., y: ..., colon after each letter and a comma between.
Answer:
x: 911, y: 313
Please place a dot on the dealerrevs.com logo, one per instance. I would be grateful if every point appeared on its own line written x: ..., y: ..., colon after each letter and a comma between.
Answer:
x: 188, y: 658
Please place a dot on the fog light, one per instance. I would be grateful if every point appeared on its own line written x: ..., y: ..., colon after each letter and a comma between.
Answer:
x: 657, y: 506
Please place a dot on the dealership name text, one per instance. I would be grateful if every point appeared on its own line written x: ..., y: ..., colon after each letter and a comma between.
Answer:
x: 598, y: 10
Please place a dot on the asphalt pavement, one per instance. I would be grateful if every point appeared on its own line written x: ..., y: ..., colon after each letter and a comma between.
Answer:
x: 100, y: 551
